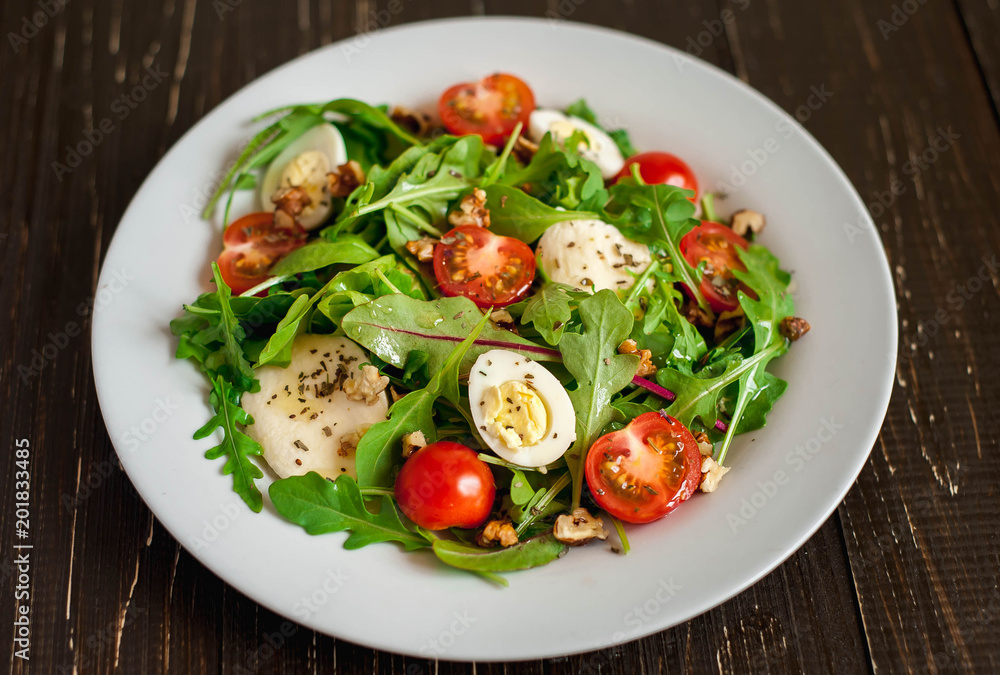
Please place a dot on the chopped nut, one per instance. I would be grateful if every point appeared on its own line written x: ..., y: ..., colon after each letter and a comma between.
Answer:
x: 746, y: 221
x: 422, y: 249
x: 367, y: 387
x: 524, y: 149
x: 646, y: 366
x: 793, y: 327
x: 579, y: 528
x: 729, y: 322
x: 502, y: 319
x: 711, y: 473
x: 289, y: 203
x: 417, y: 123
x: 704, y: 444
x: 349, y: 442
x: 412, y: 442
x: 343, y: 180
x: 497, y: 532
x: 472, y: 211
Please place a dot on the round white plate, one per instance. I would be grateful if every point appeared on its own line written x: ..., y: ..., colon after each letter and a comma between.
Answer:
x: 785, y: 481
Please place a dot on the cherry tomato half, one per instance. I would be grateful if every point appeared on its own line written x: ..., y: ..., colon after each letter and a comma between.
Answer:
x: 642, y: 472
x: 662, y: 168
x: 490, y: 270
x: 445, y: 485
x: 716, y: 244
x: 491, y: 107
x: 252, y: 246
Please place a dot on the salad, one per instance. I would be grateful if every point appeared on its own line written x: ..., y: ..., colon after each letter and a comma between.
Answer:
x: 491, y: 335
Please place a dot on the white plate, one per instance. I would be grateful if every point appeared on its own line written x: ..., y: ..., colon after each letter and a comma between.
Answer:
x: 776, y: 496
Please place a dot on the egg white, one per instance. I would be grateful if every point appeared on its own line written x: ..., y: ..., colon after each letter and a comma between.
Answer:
x: 602, y: 150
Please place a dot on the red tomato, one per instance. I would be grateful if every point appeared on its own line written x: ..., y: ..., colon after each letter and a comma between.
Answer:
x: 716, y: 244
x: 490, y: 270
x: 491, y: 107
x: 252, y: 246
x: 642, y: 472
x: 662, y: 168
x: 445, y: 485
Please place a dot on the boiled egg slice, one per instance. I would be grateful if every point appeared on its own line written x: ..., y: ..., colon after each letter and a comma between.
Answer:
x: 302, y: 417
x: 521, y: 410
x: 601, y: 150
x: 591, y: 254
x: 305, y: 163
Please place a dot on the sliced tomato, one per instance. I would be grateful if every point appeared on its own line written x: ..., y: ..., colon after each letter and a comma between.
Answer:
x: 662, y: 168
x: 491, y: 107
x: 490, y: 270
x: 716, y: 244
x: 252, y: 246
x: 644, y: 471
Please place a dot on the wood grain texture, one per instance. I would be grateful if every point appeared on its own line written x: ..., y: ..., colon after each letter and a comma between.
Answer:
x: 902, y: 579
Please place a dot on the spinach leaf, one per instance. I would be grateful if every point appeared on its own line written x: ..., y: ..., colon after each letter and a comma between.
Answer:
x: 516, y: 214
x: 378, y: 451
x: 321, y: 253
x: 579, y: 108
x: 320, y: 506
x: 236, y: 446
x: 395, y: 325
x: 592, y: 358
x: 550, y: 309
x: 532, y: 552
x: 279, y: 346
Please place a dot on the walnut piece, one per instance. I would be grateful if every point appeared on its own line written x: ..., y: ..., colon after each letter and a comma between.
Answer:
x: 524, y: 149
x: 646, y: 366
x: 289, y: 204
x: 349, y: 442
x: 412, y: 442
x: 503, y: 320
x: 711, y: 473
x: 497, y: 532
x: 367, y: 387
x: 747, y: 221
x: 579, y: 528
x: 705, y: 446
x: 422, y: 249
x: 417, y: 123
x: 729, y: 322
x: 472, y: 210
x: 343, y: 180
x: 793, y: 327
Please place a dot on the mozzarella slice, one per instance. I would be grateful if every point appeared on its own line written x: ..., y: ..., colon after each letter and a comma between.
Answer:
x: 521, y: 410
x: 302, y: 418
x: 602, y: 150
x: 305, y: 163
x: 591, y: 254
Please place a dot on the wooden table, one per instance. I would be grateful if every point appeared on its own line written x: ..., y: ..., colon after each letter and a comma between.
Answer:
x: 903, y: 577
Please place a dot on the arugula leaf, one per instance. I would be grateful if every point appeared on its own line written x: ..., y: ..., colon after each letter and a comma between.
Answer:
x: 534, y: 552
x: 322, y: 252
x: 559, y: 177
x: 516, y: 214
x: 395, y: 325
x: 230, y: 333
x: 579, y: 108
x: 236, y: 446
x: 378, y: 450
x: 550, y: 309
x: 592, y: 358
x: 320, y: 506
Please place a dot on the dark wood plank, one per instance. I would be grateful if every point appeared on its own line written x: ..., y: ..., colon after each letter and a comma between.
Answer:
x: 923, y: 558
x: 112, y: 590
x: 982, y: 24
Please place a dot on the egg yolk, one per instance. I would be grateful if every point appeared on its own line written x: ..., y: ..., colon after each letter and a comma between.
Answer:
x: 308, y: 171
x: 515, y: 413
